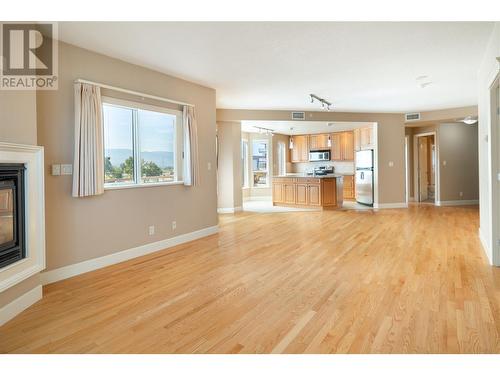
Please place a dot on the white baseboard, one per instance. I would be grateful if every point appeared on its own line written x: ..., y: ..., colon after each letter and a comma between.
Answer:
x: 20, y: 304
x: 458, y: 203
x: 390, y: 205
x: 229, y: 210
x: 259, y: 198
x: 121, y: 256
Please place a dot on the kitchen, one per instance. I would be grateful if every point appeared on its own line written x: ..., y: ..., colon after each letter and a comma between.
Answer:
x: 323, y: 166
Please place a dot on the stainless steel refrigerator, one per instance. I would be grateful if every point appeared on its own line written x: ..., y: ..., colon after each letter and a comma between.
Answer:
x: 364, y: 177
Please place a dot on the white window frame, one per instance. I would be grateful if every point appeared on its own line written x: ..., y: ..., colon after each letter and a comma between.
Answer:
x: 267, y: 185
x: 131, y: 105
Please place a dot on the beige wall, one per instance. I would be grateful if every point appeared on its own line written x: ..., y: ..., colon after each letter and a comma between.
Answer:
x: 276, y: 139
x: 456, y: 144
x: 18, y: 125
x: 18, y: 117
x: 459, y: 148
x: 390, y: 141
x: 79, y: 229
x: 229, y: 194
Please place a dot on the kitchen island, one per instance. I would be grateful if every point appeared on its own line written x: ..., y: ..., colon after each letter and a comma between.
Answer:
x: 300, y: 190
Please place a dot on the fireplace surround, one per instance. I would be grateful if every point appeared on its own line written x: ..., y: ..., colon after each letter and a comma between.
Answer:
x: 22, y: 241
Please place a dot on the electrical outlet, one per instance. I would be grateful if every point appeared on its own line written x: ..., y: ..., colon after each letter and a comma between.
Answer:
x: 391, y: 164
x: 461, y: 193
x: 444, y: 163
x: 174, y: 225
x: 56, y: 169
x: 151, y: 230
x: 66, y: 169
x: 209, y: 166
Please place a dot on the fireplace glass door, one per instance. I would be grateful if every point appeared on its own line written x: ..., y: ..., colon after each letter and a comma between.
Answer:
x: 12, y: 203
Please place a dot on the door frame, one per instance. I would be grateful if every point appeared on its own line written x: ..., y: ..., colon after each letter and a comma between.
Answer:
x: 494, y: 157
x: 416, y: 167
x: 407, y: 168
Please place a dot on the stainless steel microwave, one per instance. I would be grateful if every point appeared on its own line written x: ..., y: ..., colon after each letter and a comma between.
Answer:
x: 322, y: 155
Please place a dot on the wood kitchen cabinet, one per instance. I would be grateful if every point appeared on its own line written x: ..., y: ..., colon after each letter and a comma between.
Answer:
x: 348, y: 146
x: 318, y: 141
x: 363, y: 139
x: 349, y: 187
x: 314, y: 194
x: 357, y: 139
x: 336, y: 153
x: 323, y: 192
x: 342, y: 146
x: 300, y: 149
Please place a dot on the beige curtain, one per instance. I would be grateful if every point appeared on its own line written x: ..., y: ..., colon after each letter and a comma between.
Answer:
x: 88, y: 166
x: 191, y: 168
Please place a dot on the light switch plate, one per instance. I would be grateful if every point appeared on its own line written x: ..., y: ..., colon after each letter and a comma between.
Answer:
x: 66, y: 169
x: 56, y: 169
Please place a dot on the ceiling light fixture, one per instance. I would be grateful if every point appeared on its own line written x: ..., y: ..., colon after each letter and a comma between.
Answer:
x: 469, y: 120
x: 264, y: 130
x: 423, y: 81
x: 324, y: 103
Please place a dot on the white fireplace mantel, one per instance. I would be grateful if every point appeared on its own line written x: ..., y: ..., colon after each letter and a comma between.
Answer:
x: 32, y: 157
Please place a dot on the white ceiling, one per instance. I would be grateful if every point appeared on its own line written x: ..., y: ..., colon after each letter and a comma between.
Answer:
x: 301, y: 127
x: 357, y: 66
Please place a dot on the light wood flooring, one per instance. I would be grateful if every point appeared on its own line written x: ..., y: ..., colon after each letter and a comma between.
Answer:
x: 394, y: 281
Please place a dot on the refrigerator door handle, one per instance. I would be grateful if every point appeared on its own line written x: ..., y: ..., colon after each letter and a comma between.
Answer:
x: 362, y: 175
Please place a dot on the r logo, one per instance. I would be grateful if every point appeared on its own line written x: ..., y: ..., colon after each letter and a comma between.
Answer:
x: 27, y: 49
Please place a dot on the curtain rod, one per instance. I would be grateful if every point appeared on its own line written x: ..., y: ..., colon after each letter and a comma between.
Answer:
x: 137, y: 93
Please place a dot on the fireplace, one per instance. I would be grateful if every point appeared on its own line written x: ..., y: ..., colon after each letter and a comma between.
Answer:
x: 12, y: 213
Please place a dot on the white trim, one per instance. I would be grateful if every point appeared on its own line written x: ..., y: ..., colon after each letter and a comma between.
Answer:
x: 141, y: 185
x: 390, y: 205
x: 416, y: 172
x: 484, y: 243
x: 458, y: 203
x: 32, y: 158
x: 121, y: 256
x: 131, y: 92
x: 20, y: 304
x: 259, y: 198
x: 229, y: 210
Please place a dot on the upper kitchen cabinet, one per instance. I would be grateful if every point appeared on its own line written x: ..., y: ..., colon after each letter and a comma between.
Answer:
x: 363, y: 139
x: 300, y: 149
x: 342, y: 146
x: 319, y: 141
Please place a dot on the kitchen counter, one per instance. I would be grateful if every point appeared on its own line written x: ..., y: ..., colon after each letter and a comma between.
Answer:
x: 302, y: 190
x: 305, y: 175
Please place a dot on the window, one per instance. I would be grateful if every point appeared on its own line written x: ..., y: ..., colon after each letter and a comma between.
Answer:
x: 260, y: 163
x: 244, y: 162
x: 142, y: 144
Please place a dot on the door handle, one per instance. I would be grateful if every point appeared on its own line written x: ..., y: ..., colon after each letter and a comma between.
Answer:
x: 362, y: 175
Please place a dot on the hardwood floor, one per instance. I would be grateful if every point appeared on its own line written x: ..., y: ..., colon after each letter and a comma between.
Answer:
x: 392, y: 281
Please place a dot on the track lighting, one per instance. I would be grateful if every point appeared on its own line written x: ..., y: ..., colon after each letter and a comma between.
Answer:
x: 324, y: 103
x: 265, y: 130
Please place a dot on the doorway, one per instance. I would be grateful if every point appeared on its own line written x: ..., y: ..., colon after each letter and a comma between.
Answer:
x: 426, y: 168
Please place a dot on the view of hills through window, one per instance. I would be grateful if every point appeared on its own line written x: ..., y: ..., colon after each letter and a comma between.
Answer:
x: 129, y: 132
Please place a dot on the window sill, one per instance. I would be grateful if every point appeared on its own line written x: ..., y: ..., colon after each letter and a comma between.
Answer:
x: 137, y: 186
